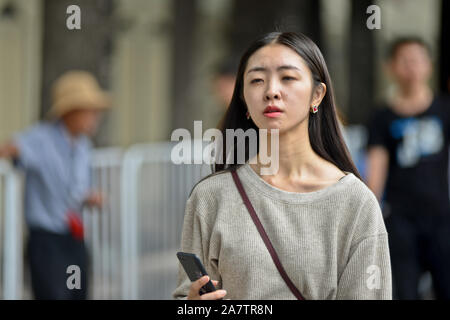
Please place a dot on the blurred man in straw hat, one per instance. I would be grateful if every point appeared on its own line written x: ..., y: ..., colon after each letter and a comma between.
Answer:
x: 55, y: 155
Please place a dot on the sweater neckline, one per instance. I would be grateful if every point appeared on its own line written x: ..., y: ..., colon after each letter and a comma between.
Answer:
x: 290, y: 196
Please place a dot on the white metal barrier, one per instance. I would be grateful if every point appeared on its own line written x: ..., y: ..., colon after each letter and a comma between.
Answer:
x: 154, y: 194
x: 132, y: 239
x: 102, y: 226
x: 11, y: 266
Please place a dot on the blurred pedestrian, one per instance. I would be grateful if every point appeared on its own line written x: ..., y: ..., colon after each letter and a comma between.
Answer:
x: 223, y: 82
x: 407, y: 169
x: 55, y: 156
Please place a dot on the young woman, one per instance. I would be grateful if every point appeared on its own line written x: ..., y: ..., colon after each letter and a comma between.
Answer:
x: 408, y: 169
x: 324, y: 223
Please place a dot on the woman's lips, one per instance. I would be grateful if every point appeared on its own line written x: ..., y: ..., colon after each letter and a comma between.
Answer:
x: 272, y: 112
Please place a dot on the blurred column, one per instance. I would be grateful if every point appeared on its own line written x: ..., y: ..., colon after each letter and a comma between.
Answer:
x: 254, y: 17
x: 184, y: 44
x: 335, y: 21
x: 210, y: 49
x: 88, y: 48
x: 141, y: 71
x: 199, y: 44
x: 20, y: 64
x: 362, y: 61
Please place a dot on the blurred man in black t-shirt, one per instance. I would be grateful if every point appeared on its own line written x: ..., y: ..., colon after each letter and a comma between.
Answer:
x: 407, y: 169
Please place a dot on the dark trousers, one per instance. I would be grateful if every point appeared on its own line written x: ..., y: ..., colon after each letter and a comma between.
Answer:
x: 418, y: 243
x: 49, y: 256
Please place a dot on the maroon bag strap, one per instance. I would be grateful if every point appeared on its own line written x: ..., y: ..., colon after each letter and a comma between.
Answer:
x: 264, y: 236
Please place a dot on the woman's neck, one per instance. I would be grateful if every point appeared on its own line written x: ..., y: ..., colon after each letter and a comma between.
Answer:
x: 297, y: 160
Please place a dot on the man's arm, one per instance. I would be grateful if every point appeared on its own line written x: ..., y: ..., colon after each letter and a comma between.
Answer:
x: 377, y: 169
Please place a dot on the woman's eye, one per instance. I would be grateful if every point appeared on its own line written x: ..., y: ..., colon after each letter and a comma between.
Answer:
x: 256, y: 80
x: 288, y: 78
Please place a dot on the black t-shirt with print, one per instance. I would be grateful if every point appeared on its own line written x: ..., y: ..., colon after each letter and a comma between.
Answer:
x: 418, y: 149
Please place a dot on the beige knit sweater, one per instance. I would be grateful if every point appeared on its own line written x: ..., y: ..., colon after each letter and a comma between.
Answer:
x: 332, y: 242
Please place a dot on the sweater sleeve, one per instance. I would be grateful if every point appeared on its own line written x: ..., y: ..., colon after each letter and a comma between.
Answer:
x: 367, y: 273
x: 195, y: 239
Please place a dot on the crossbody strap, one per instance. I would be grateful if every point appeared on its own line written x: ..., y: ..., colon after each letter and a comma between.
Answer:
x: 264, y: 236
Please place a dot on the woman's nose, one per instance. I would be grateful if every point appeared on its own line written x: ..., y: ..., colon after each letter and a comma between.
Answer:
x: 272, y: 93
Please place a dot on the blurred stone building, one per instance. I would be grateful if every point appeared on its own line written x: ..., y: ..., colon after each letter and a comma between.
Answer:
x: 158, y: 57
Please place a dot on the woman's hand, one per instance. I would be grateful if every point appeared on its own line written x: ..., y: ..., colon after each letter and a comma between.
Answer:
x: 194, y: 293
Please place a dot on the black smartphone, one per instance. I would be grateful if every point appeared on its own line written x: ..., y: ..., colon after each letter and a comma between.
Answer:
x: 195, y: 270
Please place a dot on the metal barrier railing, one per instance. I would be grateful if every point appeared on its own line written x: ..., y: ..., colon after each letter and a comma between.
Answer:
x: 11, y: 261
x: 102, y: 226
x: 132, y: 239
x: 154, y: 194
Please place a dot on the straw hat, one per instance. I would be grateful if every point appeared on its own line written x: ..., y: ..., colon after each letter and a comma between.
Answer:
x: 77, y: 90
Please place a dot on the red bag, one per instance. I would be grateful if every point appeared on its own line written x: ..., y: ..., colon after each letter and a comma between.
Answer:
x: 75, y: 225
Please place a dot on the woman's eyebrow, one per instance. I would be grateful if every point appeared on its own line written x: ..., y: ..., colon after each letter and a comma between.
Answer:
x: 283, y: 67
x: 255, y: 69
x: 287, y: 67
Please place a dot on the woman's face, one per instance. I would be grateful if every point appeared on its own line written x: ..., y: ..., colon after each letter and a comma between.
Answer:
x: 278, y: 88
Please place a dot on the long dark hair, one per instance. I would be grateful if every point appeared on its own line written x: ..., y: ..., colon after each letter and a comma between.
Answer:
x: 324, y: 131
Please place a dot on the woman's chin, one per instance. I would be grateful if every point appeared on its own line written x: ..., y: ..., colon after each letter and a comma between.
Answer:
x: 270, y: 125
